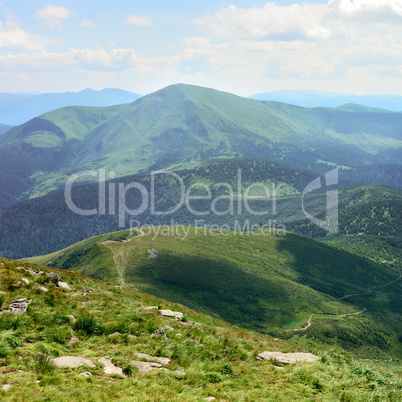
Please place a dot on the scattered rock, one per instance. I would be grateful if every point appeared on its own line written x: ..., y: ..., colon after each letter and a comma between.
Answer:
x: 2, y: 293
x: 63, y: 285
x: 109, y: 367
x: 179, y: 372
x: 36, y: 272
x: 19, y: 305
x: 131, y: 337
x: 53, y: 277
x: 210, y: 398
x: 144, y: 367
x: 170, y: 313
x: 73, y: 340
x: 86, y: 374
x: 167, y: 328
x: 151, y: 308
x: 6, y: 387
x: 160, y: 332
x: 42, y: 288
x: 115, y: 334
x: 72, y: 362
x: 276, y: 339
x: 188, y: 323
x: 161, y: 360
x: 279, y: 368
x: 25, y: 280
x: 288, y: 358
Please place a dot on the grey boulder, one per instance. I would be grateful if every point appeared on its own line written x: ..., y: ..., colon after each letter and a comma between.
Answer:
x: 72, y: 362
x: 288, y: 358
x: 19, y: 305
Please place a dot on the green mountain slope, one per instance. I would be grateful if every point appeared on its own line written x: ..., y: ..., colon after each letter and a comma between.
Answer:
x: 205, y: 357
x: 183, y: 123
x: 269, y: 281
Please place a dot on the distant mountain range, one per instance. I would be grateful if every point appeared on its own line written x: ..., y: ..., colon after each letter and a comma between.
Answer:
x: 306, y: 98
x: 184, y: 123
x: 18, y: 108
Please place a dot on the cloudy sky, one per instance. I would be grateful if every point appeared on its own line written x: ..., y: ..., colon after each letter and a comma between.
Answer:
x: 244, y: 47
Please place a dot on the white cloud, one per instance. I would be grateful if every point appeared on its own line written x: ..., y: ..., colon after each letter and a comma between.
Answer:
x: 302, y: 21
x: 53, y: 12
x: 200, y: 51
x: 139, y: 20
x: 52, y: 16
x: 12, y: 37
x: 379, y: 7
x: 85, y: 59
x: 86, y: 23
x: 308, y: 39
x: 271, y: 21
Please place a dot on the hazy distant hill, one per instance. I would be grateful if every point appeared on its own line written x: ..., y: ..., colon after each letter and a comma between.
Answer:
x: 328, y: 99
x: 4, y: 128
x: 184, y: 123
x: 18, y: 108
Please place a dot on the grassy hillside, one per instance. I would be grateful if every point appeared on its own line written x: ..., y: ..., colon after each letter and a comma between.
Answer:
x: 214, y: 358
x: 388, y: 175
x: 181, y: 124
x: 270, y: 283
x: 384, y: 250
x: 369, y: 209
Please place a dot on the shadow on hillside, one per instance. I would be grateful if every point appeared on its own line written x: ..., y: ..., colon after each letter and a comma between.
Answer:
x: 219, y: 288
x: 330, y: 270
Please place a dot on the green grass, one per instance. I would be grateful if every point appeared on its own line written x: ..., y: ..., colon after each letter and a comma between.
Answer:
x: 219, y: 359
x: 264, y: 283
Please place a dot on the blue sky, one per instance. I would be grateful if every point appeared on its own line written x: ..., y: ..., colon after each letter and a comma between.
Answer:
x: 244, y: 47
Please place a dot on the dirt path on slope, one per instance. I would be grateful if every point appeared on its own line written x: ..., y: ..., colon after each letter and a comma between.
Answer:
x: 120, y: 257
x: 370, y: 289
x: 326, y: 315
